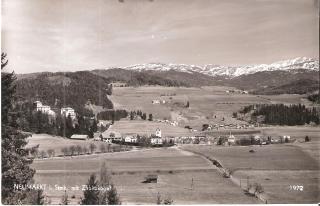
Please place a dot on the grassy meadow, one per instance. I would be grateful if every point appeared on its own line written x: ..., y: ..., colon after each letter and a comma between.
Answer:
x: 275, y: 167
x: 207, y: 104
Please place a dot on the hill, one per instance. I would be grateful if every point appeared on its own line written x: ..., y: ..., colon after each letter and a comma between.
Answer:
x: 65, y: 89
x: 153, y: 77
x: 302, y: 86
x: 271, y: 79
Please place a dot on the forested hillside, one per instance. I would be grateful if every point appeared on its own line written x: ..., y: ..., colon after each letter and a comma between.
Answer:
x: 261, y: 81
x: 302, y: 86
x: 164, y: 78
x: 65, y: 89
x: 280, y: 114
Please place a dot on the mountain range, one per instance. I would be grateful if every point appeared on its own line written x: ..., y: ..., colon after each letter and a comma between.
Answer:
x: 298, y: 76
x: 291, y: 65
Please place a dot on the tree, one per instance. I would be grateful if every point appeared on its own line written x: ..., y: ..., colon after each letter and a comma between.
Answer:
x: 85, y: 149
x: 92, y: 147
x: 188, y: 104
x: 14, y: 161
x: 91, y: 197
x: 307, y: 139
x: 113, y: 198
x: 50, y: 152
x: 103, y: 148
x: 43, y: 154
x: 64, y: 199
x: 159, y: 201
x: 79, y: 149
x: 72, y: 149
x: 35, y: 197
x: 65, y: 151
x: 150, y: 117
x: 105, y: 179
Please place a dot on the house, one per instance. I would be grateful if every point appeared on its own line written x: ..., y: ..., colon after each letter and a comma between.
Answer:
x: 110, y: 136
x: 130, y: 138
x: 66, y: 111
x: 43, y: 108
x: 158, y: 132
x: 155, y: 101
x: 257, y: 138
x: 286, y: 137
x: 156, y: 141
x: 79, y: 137
x: 97, y: 136
x: 231, y: 139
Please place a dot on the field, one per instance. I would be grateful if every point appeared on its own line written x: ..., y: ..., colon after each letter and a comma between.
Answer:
x: 207, y: 104
x: 148, y: 128
x: 275, y: 167
x: 47, y: 142
x: 175, y: 170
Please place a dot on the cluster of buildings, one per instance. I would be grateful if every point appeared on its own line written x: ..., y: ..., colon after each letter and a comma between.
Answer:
x: 230, y: 126
x: 173, y: 123
x: 237, y: 92
x: 65, y: 111
x: 113, y: 136
x: 158, y: 101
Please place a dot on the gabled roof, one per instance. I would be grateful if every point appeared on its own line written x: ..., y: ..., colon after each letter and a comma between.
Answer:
x: 79, y: 136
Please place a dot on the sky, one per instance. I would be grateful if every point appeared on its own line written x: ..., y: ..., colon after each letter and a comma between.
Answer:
x: 71, y: 35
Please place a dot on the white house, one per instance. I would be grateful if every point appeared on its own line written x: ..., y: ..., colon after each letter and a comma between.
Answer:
x: 158, y: 132
x: 286, y: 137
x: 231, y: 139
x: 156, y: 141
x: 44, y: 108
x: 155, y: 101
x: 66, y: 111
x: 130, y: 138
x: 79, y: 137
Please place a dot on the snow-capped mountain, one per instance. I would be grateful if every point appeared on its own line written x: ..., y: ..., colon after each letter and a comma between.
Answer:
x: 232, y: 71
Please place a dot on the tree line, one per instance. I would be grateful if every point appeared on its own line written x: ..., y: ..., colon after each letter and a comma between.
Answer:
x: 280, y: 114
x: 72, y: 89
x: 15, y: 164
x: 30, y: 120
x: 113, y: 115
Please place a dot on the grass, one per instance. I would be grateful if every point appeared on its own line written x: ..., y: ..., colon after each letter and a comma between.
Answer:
x: 175, y: 171
x: 275, y: 167
x: 206, y: 103
x: 46, y: 142
x: 148, y: 128
x: 271, y: 157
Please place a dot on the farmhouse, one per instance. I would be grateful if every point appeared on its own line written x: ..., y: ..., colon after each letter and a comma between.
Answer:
x: 79, y: 137
x: 130, y: 138
x: 66, y: 111
x: 109, y: 136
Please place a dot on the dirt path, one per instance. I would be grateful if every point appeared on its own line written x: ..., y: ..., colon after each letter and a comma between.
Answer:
x: 223, y: 171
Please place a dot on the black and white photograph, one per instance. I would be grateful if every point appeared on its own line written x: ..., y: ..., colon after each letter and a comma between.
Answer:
x: 160, y: 102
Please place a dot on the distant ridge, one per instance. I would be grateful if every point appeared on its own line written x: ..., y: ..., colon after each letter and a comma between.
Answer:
x: 231, y: 71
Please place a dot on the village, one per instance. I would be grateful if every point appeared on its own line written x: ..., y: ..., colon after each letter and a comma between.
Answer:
x: 106, y: 133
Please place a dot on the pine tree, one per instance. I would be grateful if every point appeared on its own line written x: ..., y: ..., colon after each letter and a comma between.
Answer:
x: 113, y: 198
x: 14, y: 161
x: 91, y: 197
x: 150, y: 117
